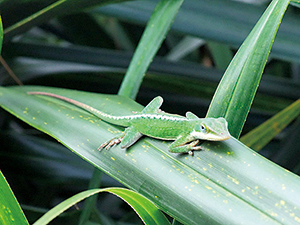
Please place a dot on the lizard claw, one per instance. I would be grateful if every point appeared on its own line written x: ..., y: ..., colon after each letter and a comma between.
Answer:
x: 194, y: 147
x: 111, y: 143
x: 191, y: 153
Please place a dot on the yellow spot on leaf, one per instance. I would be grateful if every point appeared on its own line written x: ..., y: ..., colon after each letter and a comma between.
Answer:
x: 282, y: 202
x: 233, y: 179
x: 113, y: 158
x: 274, y: 214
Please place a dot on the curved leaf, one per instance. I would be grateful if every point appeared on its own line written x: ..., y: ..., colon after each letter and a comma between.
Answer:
x: 147, y: 211
x: 224, y: 180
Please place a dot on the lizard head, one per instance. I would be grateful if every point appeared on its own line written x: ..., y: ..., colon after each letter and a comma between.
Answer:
x: 212, y: 129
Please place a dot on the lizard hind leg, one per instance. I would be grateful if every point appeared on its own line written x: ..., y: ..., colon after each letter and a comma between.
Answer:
x: 112, y: 142
x: 130, y: 137
x: 127, y: 138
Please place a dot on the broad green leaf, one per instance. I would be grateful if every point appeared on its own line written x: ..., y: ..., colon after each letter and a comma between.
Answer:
x: 224, y: 180
x: 263, y: 134
x: 154, y: 34
x: 10, y: 210
x: 236, y: 91
x: 147, y: 211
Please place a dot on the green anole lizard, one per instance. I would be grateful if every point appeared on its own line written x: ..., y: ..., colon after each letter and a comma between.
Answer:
x: 185, y: 131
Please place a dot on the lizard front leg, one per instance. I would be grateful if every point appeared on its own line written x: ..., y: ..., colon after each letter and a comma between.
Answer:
x: 184, y: 144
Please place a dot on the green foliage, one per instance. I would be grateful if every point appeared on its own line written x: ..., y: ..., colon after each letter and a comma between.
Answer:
x: 238, y: 86
x: 263, y: 134
x: 10, y: 210
x: 226, y: 183
x: 204, y: 186
x: 148, y: 212
x: 157, y: 28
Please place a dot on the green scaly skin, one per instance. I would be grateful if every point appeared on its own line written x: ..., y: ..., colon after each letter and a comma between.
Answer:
x: 152, y: 122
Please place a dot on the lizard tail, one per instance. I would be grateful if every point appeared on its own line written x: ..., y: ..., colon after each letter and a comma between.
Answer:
x: 118, y: 120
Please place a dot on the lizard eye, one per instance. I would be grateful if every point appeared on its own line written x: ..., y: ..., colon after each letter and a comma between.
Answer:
x: 202, y: 128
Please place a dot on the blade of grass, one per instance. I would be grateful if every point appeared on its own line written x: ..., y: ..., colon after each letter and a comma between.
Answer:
x: 263, y: 134
x: 238, y: 86
x: 155, y: 32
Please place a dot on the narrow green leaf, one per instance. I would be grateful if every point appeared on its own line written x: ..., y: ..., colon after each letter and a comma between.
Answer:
x: 238, y: 86
x: 146, y: 210
x: 1, y: 34
x: 155, y: 32
x: 263, y: 134
x: 25, y: 23
x: 10, y: 210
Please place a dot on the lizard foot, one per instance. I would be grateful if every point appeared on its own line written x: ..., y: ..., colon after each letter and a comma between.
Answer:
x: 194, y: 147
x: 111, y: 143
